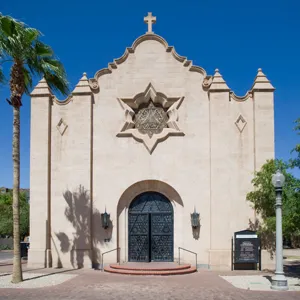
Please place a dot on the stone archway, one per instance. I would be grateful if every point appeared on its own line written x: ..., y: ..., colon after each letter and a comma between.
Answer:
x: 124, y: 203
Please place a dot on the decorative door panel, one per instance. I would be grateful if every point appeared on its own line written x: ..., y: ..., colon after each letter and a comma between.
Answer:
x: 161, y: 237
x: 139, y: 237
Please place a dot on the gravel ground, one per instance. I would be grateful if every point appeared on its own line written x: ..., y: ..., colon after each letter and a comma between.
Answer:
x: 34, y: 280
x: 259, y: 283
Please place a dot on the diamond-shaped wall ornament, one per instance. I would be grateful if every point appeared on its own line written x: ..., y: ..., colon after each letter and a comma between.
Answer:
x: 61, y: 126
x: 240, y: 123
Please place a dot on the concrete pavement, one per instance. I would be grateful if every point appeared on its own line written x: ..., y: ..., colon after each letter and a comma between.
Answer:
x: 6, y: 255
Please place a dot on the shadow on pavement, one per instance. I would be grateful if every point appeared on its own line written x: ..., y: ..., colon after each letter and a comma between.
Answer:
x: 49, y: 274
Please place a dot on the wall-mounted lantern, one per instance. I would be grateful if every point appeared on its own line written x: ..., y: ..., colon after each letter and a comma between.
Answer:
x: 195, y: 219
x: 105, y: 218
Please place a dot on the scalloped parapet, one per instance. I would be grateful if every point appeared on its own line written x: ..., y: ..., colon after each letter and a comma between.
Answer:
x: 149, y: 36
x: 41, y: 89
x: 82, y: 88
x: 261, y: 82
x: 247, y: 96
x: 218, y: 84
x: 62, y: 102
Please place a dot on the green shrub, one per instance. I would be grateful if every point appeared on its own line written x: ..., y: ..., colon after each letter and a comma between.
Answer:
x: 5, y: 247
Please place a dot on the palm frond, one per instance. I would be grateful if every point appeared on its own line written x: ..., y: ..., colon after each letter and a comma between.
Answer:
x: 22, y: 44
x: 57, y: 83
x: 7, y: 25
x: 11, y: 36
x: 53, y: 71
x: 31, y: 34
x: 42, y: 49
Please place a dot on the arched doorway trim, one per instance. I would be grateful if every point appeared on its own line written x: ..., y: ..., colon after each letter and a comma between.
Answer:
x: 128, y: 196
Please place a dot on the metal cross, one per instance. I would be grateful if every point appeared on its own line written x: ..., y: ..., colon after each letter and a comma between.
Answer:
x: 150, y: 20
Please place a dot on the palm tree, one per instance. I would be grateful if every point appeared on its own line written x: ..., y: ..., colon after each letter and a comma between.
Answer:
x: 20, y: 46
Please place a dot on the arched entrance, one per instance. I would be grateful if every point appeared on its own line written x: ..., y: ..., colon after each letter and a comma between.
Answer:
x: 150, y: 228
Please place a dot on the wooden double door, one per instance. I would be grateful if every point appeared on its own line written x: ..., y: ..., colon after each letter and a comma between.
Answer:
x: 150, y: 228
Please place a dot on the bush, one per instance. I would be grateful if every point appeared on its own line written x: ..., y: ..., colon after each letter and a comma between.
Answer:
x: 5, y: 247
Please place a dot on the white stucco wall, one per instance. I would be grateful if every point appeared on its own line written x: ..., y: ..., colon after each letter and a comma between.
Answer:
x: 210, y: 167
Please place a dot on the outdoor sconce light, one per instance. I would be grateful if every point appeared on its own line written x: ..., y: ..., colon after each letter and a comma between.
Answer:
x: 195, y: 220
x: 105, y: 218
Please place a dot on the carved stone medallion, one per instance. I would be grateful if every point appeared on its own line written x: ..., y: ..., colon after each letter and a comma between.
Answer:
x: 151, y: 120
x: 150, y: 117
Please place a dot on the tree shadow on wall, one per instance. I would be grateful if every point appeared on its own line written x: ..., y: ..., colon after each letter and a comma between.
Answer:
x: 85, y: 237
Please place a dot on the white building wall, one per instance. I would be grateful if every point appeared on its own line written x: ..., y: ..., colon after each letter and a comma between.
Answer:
x: 209, y: 168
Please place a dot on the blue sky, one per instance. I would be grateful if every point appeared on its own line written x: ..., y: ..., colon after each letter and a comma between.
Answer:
x: 238, y: 37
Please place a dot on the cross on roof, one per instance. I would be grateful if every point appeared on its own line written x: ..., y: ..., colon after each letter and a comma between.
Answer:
x: 150, y: 20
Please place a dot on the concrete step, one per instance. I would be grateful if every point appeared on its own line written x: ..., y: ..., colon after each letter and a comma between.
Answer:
x: 149, y: 267
x: 163, y: 270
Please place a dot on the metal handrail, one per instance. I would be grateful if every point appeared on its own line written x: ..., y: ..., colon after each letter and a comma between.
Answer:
x: 102, y: 267
x: 180, y: 248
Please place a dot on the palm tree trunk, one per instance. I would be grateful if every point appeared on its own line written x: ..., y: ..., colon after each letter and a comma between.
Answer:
x: 17, y: 267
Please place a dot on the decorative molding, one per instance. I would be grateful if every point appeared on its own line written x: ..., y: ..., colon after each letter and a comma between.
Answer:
x: 240, y: 123
x: 207, y: 81
x: 261, y: 82
x: 131, y: 110
x: 94, y: 84
x: 61, y: 126
x: 129, y: 50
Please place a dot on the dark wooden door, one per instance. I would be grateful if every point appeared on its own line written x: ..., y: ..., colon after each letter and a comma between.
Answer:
x: 150, y: 227
x: 139, y: 236
x: 161, y: 238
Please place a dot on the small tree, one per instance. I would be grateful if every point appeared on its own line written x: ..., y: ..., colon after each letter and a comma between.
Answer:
x: 21, y: 46
x: 6, y: 213
x: 263, y: 199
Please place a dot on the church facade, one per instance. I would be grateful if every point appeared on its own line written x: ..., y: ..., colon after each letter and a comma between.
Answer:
x: 136, y: 153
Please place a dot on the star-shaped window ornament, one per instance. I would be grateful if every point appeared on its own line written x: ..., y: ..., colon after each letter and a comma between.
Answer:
x: 150, y: 117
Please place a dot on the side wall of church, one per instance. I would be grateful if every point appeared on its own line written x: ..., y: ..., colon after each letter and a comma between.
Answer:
x: 71, y: 183
x: 264, y: 126
x: 232, y: 168
x: 39, y: 178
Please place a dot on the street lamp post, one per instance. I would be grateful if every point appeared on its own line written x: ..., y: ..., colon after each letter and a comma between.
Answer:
x: 279, y: 281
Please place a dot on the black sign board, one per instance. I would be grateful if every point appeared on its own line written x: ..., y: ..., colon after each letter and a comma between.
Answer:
x: 246, y: 247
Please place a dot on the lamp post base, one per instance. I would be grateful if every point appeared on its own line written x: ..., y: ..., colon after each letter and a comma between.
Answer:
x: 279, y: 283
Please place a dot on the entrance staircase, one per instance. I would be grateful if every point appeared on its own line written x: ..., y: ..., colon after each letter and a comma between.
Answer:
x: 153, y: 268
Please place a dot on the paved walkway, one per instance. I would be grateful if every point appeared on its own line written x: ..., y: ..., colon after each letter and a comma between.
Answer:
x: 5, y: 256
x: 90, y: 284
